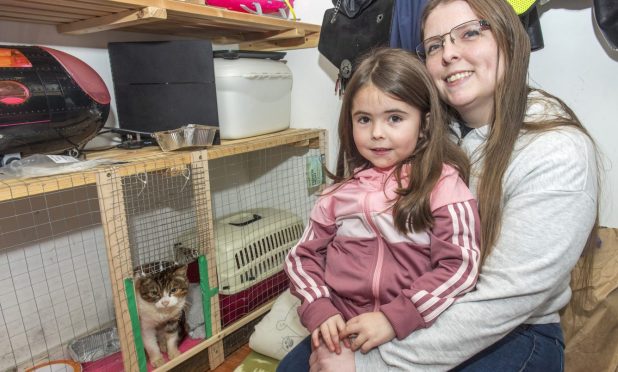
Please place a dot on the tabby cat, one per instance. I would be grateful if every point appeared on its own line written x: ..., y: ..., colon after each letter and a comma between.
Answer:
x: 161, y: 301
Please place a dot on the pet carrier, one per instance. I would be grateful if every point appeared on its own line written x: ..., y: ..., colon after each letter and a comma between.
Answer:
x: 251, y: 246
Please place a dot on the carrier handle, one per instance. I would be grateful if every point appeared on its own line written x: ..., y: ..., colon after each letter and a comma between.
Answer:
x: 256, y: 217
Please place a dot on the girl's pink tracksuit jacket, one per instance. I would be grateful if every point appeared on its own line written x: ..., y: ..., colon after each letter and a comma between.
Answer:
x: 351, y: 259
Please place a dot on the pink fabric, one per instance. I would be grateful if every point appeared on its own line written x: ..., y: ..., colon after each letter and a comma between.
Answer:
x: 114, y: 362
x: 267, y: 6
x: 371, y: 266
x: 235, y: 306
x: 450, y: 189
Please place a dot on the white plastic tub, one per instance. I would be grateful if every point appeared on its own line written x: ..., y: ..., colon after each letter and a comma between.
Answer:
x: 253, y: 96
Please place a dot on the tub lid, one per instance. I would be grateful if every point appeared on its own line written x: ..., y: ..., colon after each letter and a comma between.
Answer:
x: 251, y: 67
x: 236, y: 54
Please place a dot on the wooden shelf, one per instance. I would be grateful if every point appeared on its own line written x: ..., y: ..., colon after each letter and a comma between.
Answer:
x: 169, y: 17
x: 151, y: 159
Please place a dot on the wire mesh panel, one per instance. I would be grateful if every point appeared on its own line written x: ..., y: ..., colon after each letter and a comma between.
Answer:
x: 146, y: 208
x: 54, y: 278
x: 261, y: 203
x: 69, y: 246
x: 161, y: 206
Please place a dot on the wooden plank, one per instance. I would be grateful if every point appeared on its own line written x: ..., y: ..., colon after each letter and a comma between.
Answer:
x: 59, y: 5
x: 21, y: 20
x: 25, y: 16
x: 204, y: 345
x: 323, y: 143
x: 274, y: 35
x: 224, y: 15
x: 64, y: 9
x: 39, y: 13
x: 198, y: 2
x: 234, y: 360
x: 206, y: 244
x: 17, y: 188
x: 229, y: 23
x: 260, y: 143
x: 120, y: 6
x: 309, y: 41
x: 201, y: 31
x: 130, y: 4
x: 145, y: 160
x: 182, y: 18
x: 114, y: 21
x: 197, y: 363
x: 242, y: 19
x: 115, y: 229
x: 220, y: 35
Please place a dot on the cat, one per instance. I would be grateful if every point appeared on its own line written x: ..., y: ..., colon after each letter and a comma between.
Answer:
x: 161, y: 302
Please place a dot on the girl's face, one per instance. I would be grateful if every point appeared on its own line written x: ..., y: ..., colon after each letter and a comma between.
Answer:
x: 465, y: 72
x: 385, y: 129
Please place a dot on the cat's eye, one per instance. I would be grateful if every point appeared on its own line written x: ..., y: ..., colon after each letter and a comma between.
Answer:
x: 173, y: 290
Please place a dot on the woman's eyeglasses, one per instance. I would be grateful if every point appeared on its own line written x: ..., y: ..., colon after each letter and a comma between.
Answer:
x: 460, y: 35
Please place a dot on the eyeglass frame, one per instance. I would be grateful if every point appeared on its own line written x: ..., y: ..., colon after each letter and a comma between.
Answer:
x: 420, y: 50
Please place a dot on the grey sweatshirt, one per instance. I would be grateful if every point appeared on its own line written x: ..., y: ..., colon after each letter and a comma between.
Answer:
x: 550, y: 198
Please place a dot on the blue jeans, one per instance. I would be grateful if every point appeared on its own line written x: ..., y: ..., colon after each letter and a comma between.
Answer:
x: 297, y: 360
x: 529, y: 348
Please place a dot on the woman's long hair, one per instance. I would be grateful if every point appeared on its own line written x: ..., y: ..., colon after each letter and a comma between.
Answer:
x: 400, y: 75
x: 508, y: 121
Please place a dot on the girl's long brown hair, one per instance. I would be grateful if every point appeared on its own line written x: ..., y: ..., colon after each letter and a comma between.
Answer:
x: 510, y: 104
x: 402, y: 76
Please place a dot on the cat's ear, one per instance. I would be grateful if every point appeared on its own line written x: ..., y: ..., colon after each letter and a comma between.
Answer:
x: 181, y: 271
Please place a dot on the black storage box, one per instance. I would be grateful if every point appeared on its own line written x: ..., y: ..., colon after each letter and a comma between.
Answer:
x: 164, y: 85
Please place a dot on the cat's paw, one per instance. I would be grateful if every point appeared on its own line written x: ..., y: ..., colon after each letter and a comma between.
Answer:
x: 173, y: 354
x: 157, y: 362
x: 163, y: 348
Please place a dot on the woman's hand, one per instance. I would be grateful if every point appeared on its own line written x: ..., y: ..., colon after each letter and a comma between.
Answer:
x: 323, y: 360
x: 371, y: 330
x: 330, y: 331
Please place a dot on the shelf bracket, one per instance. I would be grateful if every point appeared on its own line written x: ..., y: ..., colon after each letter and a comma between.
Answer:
x: 274, y: 35
x: 114, y: 21
x: 310, y: 40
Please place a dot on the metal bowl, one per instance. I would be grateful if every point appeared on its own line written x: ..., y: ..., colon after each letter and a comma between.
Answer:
x: 95, y: 346
x: 186, y: 137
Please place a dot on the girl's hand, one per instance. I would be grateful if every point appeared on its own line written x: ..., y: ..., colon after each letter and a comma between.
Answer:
x: 368, y: 330
x: 329, y: 330
x: 323, y: 360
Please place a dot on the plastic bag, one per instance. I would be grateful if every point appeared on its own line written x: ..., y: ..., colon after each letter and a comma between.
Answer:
x: 39, y: 165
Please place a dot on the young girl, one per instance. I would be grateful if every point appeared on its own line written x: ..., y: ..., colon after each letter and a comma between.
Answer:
x: 396, y: 240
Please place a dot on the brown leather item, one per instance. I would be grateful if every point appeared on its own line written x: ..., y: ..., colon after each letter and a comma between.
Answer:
x: 343, y: 40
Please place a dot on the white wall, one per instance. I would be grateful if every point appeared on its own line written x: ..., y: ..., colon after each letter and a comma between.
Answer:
x: 314, y: 101
x: 577, y: 66
x: 573, y: 65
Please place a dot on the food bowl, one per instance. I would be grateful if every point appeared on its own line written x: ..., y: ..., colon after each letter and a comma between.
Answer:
x: 95, y: 346
x: 186, y: 137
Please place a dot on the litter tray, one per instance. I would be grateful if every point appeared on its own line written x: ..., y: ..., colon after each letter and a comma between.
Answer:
x: 95, y: 346
x: 186, y: 137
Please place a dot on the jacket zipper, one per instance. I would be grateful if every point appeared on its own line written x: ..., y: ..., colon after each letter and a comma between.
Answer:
x: 377, y: 271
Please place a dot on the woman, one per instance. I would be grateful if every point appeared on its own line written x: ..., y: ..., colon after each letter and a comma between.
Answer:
x: 534, y: 173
